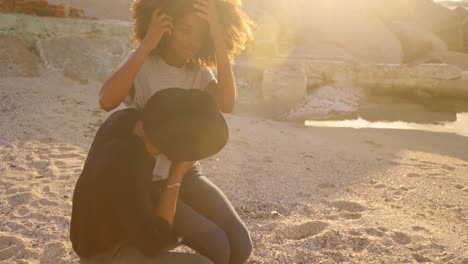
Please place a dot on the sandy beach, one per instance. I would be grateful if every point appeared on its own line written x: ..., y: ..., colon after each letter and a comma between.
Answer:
x: 307, y: 194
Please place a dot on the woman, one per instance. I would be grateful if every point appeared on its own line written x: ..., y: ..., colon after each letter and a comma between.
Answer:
x: 177, y: 41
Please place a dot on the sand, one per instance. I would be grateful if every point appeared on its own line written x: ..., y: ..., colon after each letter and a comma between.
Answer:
x: 307, y: 194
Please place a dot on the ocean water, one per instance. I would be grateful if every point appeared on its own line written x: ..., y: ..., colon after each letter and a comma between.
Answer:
x: 347, y: 106
x: 459, y: 126
x: 328, y: 106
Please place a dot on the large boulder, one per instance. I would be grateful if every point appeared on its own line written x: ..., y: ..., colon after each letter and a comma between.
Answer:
x: 321, y: 73
x: 416, y: 41
x: 350, y: 25
x: 330, y: 101
x: 458, y: 59
x: 30, y: 29
x: 15, y: 59
x: 431, y: 16
x: 103, y: 9
x: 423, y: 80
x: 443, y: 23
x: 465, y: 35
x: 461, y: 12
x: 317, y: 28
x: 83, y: 58
x: 272, y: 30
x: 384, y: 72
x: 322, y: 52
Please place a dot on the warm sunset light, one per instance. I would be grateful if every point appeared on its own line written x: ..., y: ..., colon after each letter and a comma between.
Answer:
x: 229, y: 131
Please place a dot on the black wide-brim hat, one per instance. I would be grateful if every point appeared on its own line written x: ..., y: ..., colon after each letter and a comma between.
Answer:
x: 185, y: 125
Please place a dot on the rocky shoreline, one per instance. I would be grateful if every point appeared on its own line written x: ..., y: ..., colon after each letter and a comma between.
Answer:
x: 85, y: 50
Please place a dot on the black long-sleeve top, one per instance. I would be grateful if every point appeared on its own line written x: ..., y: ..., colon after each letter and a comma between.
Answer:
x: 112, y: 198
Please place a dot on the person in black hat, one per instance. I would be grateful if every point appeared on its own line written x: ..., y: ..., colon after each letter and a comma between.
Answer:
x: 120, y: 216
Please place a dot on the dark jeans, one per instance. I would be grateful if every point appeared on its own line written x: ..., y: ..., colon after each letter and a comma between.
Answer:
x: 207, y: 222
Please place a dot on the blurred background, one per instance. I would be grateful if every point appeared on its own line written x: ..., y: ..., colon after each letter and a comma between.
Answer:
x: 380, y: 60
x: 310, y: 187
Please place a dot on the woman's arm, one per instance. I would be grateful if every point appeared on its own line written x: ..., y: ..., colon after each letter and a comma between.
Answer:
x: 116, y: 88
x: 168, y: 201
x: 224, y: 91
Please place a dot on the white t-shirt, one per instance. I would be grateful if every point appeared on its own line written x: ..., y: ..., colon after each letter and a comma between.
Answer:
x: 155, y: 75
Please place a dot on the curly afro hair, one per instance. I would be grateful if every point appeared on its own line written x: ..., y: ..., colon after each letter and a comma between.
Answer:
x: 235, y: 23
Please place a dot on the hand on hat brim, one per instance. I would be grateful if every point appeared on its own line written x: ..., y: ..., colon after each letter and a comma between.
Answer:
x: 139, y: 131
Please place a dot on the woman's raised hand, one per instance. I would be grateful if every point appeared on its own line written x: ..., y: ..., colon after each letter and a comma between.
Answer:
x: 159, y: 25
x: 207, y: 10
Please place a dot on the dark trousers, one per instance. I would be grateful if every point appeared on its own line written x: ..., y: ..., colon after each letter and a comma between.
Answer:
x: 207, y: 222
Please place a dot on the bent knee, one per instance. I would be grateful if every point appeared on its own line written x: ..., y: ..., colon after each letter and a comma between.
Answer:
x: 221, y: 248
x: 242, y: 247
x: 246, y: 251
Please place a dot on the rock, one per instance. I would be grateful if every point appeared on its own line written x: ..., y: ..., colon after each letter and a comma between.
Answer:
x: 312, y: 27
x: 444, y: 24
x: 328, y: 101
x: 458, y: 59
x: 103, y: 9
x: 431, y: 71
x: 323, y: 72
x: 465, y: 35
x: 340, y: 30
x: 416, y: 41
x: 395, y: 72
x: 275, y: 214
x: 461, y: 12
x: 423, y: 80
x: 347, y: 24
x: 284, y: 86
x: 427, y: 14
x: 30, y: 29
x: 273, y: 31
x: 322, y: 52
x: 15, y: 59
x: 83, y: 58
